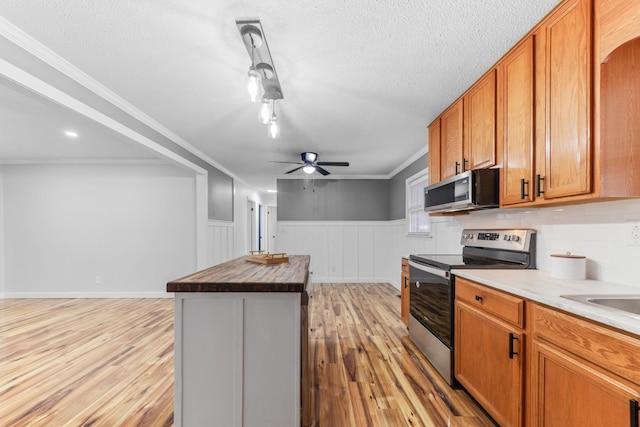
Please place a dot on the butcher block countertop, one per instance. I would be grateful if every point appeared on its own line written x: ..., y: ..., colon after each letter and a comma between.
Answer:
x: 241, y: 275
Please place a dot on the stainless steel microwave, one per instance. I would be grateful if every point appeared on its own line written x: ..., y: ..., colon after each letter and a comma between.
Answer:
x: 470, y: 190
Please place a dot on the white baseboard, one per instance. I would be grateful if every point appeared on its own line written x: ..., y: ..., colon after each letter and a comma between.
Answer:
x: 70, y: 295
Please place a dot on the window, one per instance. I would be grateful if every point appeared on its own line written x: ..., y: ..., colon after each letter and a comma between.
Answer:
x: 418, y: 223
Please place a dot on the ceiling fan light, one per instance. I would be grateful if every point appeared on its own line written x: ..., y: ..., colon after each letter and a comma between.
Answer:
x: 253, y: 84
x: 266, y: 111
x: 309, y: 169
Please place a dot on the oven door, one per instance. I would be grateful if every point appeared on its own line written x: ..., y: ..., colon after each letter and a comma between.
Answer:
x: 431, y: 300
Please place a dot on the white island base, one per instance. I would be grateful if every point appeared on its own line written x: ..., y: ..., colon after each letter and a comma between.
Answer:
x: 237, y: 359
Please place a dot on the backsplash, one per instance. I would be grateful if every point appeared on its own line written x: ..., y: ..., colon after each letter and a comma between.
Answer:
x: 600, y: 231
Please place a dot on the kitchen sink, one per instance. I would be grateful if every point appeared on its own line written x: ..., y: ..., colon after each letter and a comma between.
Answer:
x: 629, y: 303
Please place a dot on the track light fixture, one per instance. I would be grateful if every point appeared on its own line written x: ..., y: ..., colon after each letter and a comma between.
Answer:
x: 263, y: 84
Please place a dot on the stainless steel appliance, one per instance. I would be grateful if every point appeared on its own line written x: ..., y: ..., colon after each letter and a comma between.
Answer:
x: 471, y: 190
x: 432, y: 289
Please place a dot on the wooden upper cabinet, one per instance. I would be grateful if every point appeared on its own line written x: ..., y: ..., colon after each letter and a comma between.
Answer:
x: 451, y: 128
x: 480, y: 124
x: 559, y: 114
x: 563, y: 70
x: 434, y: 152
x: 617, y: 97
x: 516, y: 122
x: 618, y: 23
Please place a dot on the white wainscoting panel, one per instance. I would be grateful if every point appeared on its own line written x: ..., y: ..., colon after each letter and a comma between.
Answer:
x: 335, y: 252
x: 350, y: 245
x: 350, y: 251
x: 220, y: 238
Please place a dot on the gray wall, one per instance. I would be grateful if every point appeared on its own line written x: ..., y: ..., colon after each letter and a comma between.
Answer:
x: 220, y: 204
x: 220, y: 200
x: 397, y: 187
x: 332, y: 199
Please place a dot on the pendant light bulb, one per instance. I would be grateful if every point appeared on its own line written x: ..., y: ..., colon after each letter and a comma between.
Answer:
x: 266, y: 111
x: 253, y: 84
x: 273, y: 129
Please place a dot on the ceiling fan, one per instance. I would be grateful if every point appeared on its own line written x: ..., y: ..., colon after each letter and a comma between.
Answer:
x: 310, y: 164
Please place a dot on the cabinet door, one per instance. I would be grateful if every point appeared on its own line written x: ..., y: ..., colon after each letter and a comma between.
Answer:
x: 567, y: 392
x: 480, y: 124
x: 451, y: 141
x: 516, y: 79
x: 483, y: 364
x: 404, y: 298
x: 566, y: 37
x: 434, y: 152
x: 617, y: 24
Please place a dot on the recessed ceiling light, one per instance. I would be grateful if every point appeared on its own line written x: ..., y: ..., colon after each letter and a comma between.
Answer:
x: 71, y: 134
x: 272, y: 191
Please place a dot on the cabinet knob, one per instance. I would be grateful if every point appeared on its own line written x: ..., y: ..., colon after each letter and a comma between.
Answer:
x: 478, y: 298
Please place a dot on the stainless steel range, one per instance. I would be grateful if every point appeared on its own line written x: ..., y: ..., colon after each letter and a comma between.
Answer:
x: 432, y: 290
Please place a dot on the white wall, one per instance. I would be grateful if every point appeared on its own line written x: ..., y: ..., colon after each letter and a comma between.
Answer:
x: 133, y: 226
x: 2, y: 267
x: 371, y: 251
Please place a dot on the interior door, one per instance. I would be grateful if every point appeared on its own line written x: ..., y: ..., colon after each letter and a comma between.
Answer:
x: 252, y: 225
x: 272, y: 227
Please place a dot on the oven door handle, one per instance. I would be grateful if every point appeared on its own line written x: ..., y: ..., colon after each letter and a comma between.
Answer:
x: 436, y: 271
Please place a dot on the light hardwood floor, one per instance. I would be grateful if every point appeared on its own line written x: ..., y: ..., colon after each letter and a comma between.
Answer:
x: 109, y: 362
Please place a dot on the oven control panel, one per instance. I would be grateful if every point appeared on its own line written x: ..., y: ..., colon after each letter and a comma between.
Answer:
x: 515, y: 239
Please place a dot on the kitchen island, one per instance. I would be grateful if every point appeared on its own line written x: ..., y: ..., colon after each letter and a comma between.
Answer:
x: 240, y: 344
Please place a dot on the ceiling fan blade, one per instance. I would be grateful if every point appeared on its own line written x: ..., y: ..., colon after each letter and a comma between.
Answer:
x: 322, y: 171
x: 295, y: 169
x: 333, y: 163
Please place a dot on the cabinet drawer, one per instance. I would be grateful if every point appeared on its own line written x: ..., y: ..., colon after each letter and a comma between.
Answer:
x: 504, y: 306
x: 405, y: 265
x: 605, y: 347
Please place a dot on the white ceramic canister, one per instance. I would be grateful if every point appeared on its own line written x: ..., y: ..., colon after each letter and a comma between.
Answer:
x: 568, y: 266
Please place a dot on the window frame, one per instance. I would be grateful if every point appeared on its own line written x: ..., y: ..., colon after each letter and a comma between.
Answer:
x: 413, y: 180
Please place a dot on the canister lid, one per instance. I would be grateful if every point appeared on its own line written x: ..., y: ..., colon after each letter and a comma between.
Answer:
x: 568, y: 255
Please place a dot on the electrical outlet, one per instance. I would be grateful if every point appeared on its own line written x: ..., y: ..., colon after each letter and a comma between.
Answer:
x: 98, y: 280
x: 633, y: 234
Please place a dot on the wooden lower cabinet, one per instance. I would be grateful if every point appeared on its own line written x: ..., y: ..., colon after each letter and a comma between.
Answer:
x: 404, y: 292
x: 533, y: 365
x: 489, y: 352
x: 570, y: 392
x: 582, y: 374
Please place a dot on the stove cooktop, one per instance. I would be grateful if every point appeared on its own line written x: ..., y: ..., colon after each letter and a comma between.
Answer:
x: 449, y: 262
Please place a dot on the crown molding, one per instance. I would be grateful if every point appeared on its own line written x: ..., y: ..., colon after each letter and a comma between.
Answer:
x: 410, y: 160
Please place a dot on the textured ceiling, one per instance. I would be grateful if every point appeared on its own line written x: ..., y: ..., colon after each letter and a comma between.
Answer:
x: 361, y: 79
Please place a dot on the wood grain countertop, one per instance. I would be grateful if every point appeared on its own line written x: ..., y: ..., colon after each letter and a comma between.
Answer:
x: 240, y: 275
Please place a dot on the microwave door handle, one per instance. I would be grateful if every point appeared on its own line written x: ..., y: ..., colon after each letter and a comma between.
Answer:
x: 435, y: 271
